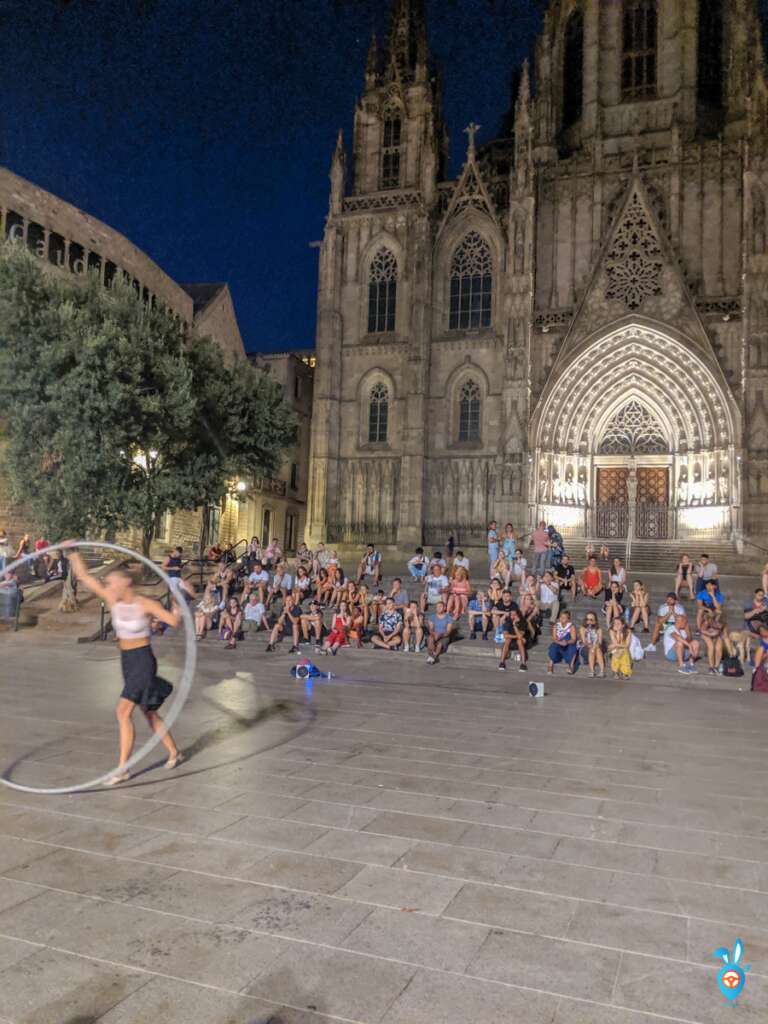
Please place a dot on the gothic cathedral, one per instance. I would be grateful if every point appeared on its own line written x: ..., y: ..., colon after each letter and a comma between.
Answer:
x: 576, y: 327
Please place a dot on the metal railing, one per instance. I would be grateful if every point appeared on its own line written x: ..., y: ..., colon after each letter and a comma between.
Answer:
x: 628, y: 551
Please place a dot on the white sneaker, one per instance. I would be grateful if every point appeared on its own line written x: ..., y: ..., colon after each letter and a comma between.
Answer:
x: 650, y: 648
x: 430, y: 660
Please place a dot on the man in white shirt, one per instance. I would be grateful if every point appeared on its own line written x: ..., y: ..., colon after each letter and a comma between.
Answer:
x: 705, y: 571
x: 435, y: 588
x: 680, y: 647
x: 549, y: 595
x: 255, y: 615
x: 665, y: 618
x: 259, y: 578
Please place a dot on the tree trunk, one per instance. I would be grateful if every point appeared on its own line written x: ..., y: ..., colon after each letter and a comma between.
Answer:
x: 204, y: 524
x: 68, y: 601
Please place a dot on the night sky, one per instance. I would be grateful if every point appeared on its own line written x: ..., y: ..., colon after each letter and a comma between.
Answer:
x: 203, y: 129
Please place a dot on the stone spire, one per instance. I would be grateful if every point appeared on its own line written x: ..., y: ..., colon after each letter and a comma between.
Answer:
x: 406, y: 52
x: 338, y: 175
x: 372, y: 63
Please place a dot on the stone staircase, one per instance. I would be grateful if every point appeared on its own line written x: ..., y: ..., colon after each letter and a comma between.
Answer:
x: 645, y: 557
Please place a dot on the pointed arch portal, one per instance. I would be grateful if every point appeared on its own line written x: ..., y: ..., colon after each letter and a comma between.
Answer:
x: 637, y: 421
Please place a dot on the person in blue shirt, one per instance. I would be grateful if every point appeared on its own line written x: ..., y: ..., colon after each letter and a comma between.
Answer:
x: 493, y: 542
x: 440, y: 625
x: 708, y: 597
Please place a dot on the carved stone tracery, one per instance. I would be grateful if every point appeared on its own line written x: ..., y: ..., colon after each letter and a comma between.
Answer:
x: 634, y: 430
x: 634, y: 261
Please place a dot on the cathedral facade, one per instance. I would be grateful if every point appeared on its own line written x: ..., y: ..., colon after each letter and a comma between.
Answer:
x: 576, y: 327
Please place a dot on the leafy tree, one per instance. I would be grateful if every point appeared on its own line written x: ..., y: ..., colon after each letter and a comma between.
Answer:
x: 114, y: 415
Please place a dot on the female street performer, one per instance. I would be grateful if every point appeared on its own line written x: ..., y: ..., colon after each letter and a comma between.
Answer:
x: 131, y: 615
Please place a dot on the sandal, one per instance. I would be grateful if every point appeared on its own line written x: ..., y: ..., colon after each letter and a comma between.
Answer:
x: 117, y: 778
x: 172, y: 762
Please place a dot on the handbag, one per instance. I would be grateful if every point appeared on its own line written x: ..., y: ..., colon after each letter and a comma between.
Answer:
x: 732, y: 666
x: 636, y: 649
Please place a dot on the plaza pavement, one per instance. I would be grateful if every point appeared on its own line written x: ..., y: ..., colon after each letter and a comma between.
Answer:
x: 421, y: 846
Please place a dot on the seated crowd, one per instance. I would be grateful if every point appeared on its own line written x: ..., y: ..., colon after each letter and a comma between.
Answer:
x: 310, y: 599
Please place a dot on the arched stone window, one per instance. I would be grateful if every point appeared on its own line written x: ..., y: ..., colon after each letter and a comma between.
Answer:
x: 639, y: 56
x: 573, y: 68
x: 471, y: 283
x: 391, y: 145
x: 469, y: 411
x: 382, y: 292
x: 378, y: 414
x: 710, y: 55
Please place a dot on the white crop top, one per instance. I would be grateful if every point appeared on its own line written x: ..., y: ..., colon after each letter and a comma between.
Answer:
x: 129, y: 620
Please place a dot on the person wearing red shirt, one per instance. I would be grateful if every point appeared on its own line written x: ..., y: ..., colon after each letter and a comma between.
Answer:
x: 592, y: 579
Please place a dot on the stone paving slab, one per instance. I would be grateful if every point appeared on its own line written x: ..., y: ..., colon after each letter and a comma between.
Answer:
x: 424, y: 847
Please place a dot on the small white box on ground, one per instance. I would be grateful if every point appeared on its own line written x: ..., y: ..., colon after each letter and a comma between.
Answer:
x: 536, y: 689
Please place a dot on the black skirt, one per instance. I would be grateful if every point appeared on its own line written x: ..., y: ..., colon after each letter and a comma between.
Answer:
x: 141, y: 683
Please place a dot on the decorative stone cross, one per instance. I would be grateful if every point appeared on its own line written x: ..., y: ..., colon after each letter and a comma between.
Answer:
x: 471, y: 131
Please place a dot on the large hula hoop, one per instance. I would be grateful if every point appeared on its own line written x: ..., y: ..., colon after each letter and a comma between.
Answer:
x: 181, y: 691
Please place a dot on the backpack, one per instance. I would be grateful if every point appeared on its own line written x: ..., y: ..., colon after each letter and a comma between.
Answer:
x: 732, y: 666
x: 760, y: 679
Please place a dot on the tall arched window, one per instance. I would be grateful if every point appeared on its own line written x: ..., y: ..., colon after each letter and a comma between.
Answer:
x: 378, y: 414
x: 471, y: 283
x: 638, y: 67
x: 710, y: 65
x: 469, y: 411
x: 382, y: 292
x: 391, y: 145
x: 573, y: 69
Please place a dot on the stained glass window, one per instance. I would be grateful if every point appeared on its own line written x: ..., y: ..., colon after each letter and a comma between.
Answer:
x: 573, y: 69
x: 471, y: 283
x: 469, y: 411
x: 710, y: 72
x: 382, y: 292
x: 638, y: 67
x: 391, y: 143
x: 378, y: 414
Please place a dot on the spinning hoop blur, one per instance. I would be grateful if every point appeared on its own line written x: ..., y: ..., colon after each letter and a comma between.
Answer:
x: 181, y: 691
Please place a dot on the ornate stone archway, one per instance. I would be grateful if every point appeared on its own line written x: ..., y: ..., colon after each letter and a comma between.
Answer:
x: 637, y: 395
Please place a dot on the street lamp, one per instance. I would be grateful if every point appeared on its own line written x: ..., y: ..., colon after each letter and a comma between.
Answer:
x: 242, y: 486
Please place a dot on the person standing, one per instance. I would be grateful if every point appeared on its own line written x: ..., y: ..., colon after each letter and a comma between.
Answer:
x: 142, y: 687
x: 541, y: 543
x: 5, y: 550
x: 493, y: 543
x: 172, y: 566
